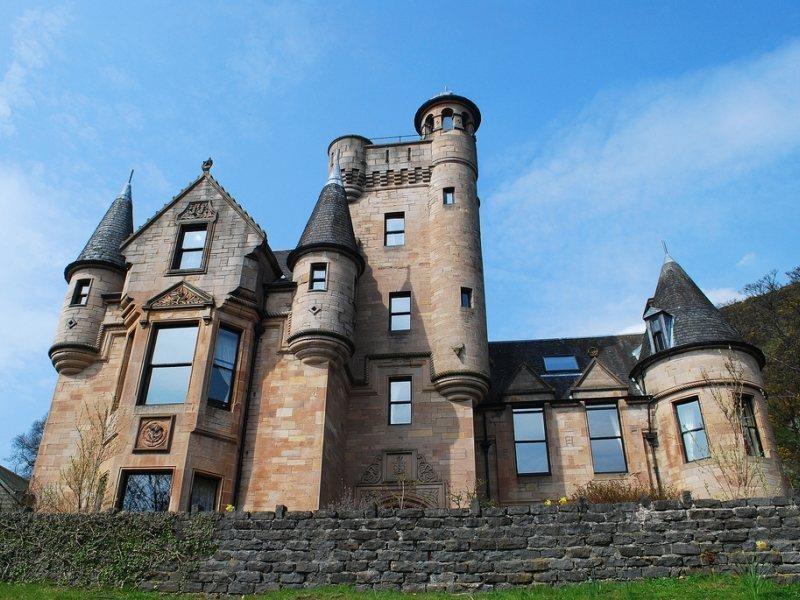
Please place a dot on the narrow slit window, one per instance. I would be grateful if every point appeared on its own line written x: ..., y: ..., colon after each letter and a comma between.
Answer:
x: 466, y: 297
x: 752, y: 440
x: 400, y: 311
x: 169, y: 365
x: 191, y: 247
x: 449, y: 195
x: 223, y: 368
x: 400, y: 401
x: 530, y: 442
x: 146, y: 491
x: 395, y: 229
x: 605, y: 438
x: 81, y: 294
x: 692, y: 430
x: 319, y: 277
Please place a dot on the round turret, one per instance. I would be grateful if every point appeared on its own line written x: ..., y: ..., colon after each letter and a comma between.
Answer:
x: 98, y: 270
x: 458, y: 335
x: 325, y: 267
x: 350, y: 151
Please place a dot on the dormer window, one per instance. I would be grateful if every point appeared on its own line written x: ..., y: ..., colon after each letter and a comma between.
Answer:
x: 659, y: 330
x: 190, y: 248
x: 560, y: 365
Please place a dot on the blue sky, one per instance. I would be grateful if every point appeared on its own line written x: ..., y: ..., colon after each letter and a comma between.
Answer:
x: 607, y: 126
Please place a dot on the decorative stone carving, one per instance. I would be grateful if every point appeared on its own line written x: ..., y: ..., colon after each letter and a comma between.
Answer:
x: 374, y: 472
x: 154, y: 434
x: 180, y: 295
x: 200, y: 210
x: 425, y: 472
x: 401, y: 477
x: 71, y: 323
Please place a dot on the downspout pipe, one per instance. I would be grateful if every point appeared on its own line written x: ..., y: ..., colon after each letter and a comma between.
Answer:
x: 258, y: 331
x: 485, y: 445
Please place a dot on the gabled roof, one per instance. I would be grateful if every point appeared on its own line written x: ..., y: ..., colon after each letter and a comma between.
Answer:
x: 330, y: 225
x: 695, y: 318
x: 596, y: 376
x: 506, y: 359
x: 15, y: 485
x: 103, y: 247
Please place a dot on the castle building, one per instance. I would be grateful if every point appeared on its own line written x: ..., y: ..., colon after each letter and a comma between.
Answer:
x: 356, y: 366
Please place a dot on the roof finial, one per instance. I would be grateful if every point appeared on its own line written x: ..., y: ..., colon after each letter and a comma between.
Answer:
x: 667, y: 257
x: 126, y: 189
x: 335, y: 176
x: 207, y: 164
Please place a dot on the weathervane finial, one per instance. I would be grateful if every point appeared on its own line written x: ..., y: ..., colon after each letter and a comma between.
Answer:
x: 207, y: 164
x: 667, y: 257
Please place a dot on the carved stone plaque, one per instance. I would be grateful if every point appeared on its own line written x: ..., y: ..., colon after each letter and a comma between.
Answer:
x: 155, y: 434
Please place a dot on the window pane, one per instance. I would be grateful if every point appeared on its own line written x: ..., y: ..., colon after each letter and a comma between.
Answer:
x: 168, y: 385
x: 395, y: 224
x: 220, y: 385
x: 689, y: 416
x: 696, y: 445
x: 175, y: 345
x: 752, y: 442
x: 532, y: 458
x: 528, y: 426
x: 400, y: 414
x: 204, y: 493
x: 560, y: 363
x: 603, y: 422
x: 748, y: 418
x: 191, y: 259
x: 401, y: 322
x: 194, y: 239
x: 400, y: 304
x: 318, y: 285
x: 225, y: 350
x: 466, y: 298
x: 608, y: 456
x: 400, y: 391
x: 395, y: 239
x: 147, y: 492
x: 318, y: 274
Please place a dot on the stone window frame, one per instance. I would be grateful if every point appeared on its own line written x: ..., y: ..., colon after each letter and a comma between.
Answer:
x: 410, y: 401
x: 467, y: 292
x: 449, y: 193
x: 183, y: 226
x: 749, y: 411
x: 605, y: 405
x: 386, y: 232
x: 208, y: 475
x: 675, y: 405
x: 77, y: 294
x: 318, y: 266
x: 400, y: 294
x: 221, y: 324
x: 125, y: 472
x: 532, y: 407
x: 144, y: 377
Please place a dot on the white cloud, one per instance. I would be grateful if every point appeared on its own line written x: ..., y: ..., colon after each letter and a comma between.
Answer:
x: 747, y: 260
x: 720, y: 296
x: 635, y: 328
x: 633, y: 167
x: 33, y: 41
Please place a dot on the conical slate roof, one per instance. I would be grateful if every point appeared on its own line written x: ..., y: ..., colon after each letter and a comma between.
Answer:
x: 695, y: 318
x: 330, y: 225
x: 116, y: 225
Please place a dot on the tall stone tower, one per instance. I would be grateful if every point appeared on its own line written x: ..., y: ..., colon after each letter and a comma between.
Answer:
x: 98, y: 270
x: 704, y: 378
x: 458, y: 330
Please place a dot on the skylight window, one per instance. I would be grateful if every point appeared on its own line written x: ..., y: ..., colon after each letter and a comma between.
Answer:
x: 560, y: 364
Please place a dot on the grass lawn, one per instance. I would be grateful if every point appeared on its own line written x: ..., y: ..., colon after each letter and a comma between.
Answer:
x: 688, y: 588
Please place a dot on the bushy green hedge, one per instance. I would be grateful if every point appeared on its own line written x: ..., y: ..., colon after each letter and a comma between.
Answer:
x: 105, y: 549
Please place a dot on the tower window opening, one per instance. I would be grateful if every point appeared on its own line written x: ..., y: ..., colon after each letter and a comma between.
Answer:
x: 395, y: 229
x: 449, y: 195
x: 387, y: 156
x: 447, y: 120
x: 466, y: 297
x: 81, y: 294
x: 319, y: 277
x: 428, y: 127
x: 400, y: 401
x: 659, y: 328
x: 409, y: 155
x: 464, y: 120
x: 752, y: 441
x: 400, y: 311
x: 692, y: 430
x: 190, y: 248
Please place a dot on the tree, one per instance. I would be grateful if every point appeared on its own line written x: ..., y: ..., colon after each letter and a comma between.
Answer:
x: 25, y: 447
x: 770, y: 319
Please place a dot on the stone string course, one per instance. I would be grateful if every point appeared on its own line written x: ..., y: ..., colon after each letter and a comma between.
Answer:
x: 463, y: 550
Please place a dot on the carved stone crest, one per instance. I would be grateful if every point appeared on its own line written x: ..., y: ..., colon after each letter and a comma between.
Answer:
x: 155, y: 434
x: 200, y: 210
x: 404, y: 477
x: 180, y: 295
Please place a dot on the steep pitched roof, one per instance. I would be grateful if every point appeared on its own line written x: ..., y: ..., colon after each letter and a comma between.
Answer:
x: 329, y: 225
x: 695, y: 318
x: 615, y: 352
x: 103, y: 246
x: 14, y: 485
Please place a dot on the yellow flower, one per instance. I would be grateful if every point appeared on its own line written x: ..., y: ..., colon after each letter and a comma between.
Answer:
x: 562, y: 500
x: 761, y: 545
x: 230, y: 508
x: 548, y: 502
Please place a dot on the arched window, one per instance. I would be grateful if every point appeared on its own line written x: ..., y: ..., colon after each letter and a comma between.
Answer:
x: 428, y: 127
x: 465, y: 121
x: 447, y: 119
